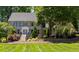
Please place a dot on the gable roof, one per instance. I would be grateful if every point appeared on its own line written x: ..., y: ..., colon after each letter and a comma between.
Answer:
x: 22, y: 17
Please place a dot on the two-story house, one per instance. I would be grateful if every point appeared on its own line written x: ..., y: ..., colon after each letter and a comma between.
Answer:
x: 23, y: 22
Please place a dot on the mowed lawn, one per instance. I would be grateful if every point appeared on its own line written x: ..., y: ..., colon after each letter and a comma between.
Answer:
x: 40, y: 47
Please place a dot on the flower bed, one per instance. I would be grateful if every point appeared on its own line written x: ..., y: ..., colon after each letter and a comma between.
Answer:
x: 34, y: 39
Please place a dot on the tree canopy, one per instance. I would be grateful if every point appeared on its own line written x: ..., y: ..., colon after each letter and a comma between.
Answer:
x: 56, y: 14
x: 6, y: 29
x: 5, y: 11
x: 46, y: 14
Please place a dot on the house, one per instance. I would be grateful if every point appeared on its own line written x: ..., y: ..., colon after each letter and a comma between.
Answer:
x: 23, y: 22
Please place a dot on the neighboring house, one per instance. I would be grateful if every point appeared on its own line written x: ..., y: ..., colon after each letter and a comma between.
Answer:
x: 23, y: 22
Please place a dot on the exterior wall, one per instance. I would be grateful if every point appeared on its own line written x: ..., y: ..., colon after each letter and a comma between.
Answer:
x: 21, y: 24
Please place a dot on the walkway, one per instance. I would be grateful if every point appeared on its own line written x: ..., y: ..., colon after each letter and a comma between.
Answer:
x: 23, y: 38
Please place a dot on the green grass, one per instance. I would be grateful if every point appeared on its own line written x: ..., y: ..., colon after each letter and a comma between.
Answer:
x: 40, y: 47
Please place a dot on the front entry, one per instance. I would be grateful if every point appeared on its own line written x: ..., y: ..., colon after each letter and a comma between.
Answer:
x: 25, y: 30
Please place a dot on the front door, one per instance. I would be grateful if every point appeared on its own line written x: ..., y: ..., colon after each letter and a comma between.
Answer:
x: 24, y: 31
x: 18, y: 31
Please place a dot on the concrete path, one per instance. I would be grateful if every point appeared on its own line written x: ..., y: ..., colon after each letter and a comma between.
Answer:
x: 23, y: 38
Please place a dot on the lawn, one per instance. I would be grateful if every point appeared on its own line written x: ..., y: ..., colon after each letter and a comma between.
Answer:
x: 40, y: 47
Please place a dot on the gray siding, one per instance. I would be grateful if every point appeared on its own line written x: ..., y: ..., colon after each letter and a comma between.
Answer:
x: 21, y: 23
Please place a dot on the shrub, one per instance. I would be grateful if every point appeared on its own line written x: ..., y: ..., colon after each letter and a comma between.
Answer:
x: 34, y: 33
x: 3, y: 39
x: 13, y: 37
x: 5, y: 29
x: 10, y: 38
x: 64, y: 30
x: 33, y: 39
x: 46, y: 32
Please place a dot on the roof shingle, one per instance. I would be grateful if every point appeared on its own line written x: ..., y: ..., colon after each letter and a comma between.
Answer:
x: 23, y: 17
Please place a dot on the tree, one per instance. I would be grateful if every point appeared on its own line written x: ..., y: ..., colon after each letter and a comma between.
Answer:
x: 34, y: 33
x: 21, y: 9
x: 40, y: 22
x: 5, y: 29
x: 56, y: 15
x: 5, y: 11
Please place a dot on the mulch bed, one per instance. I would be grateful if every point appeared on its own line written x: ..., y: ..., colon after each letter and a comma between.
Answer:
x: 51, y: 40
x: 63, y: 40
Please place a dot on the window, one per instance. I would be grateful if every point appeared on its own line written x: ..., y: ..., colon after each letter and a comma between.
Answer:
x: 21, y: 23
x: 18, y: 31
x: 25, y: 23
x: 24, y: 31
x: 14, y: 24
x: 18, y: 23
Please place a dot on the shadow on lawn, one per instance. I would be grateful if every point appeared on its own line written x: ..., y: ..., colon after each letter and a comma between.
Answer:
x: 63, y: 40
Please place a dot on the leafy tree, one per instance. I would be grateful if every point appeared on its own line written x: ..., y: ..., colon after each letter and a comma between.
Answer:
x: 21, y: 9
x: 5, y: 11
x: 5, y: 29
x: 34, y: 32
x: 64, y: 30
x: 56, y: 15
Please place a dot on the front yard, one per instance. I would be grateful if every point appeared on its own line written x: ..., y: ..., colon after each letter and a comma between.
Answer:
x: 40, y: 47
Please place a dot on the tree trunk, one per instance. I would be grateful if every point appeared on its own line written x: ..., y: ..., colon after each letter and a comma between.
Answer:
x: 40, y: 32
x: 50, y: 28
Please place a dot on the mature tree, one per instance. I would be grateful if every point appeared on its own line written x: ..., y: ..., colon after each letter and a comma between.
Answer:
x: 5, y: 29
x: 54, y: 15
x: 21, y: 9
x: 41, y: 22
x: 5, y: 11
